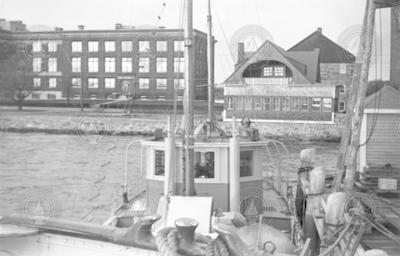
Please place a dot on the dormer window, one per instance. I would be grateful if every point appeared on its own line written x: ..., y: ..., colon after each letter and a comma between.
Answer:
x: 274, y: 71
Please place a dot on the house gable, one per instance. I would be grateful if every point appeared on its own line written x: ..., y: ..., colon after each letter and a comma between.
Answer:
x: 386, y: 98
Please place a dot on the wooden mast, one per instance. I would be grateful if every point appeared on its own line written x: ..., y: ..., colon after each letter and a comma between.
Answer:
x: 355, y: 102
x: 210, y: 66
x: 188, y: 101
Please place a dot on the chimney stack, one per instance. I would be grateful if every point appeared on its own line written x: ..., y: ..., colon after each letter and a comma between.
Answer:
x: 118, y: 26
x: 58, y: 29
x: 81, y: 27
x: 241, y: 54
x: 319, y: 29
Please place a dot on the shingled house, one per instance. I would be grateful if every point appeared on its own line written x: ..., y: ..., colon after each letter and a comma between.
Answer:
x: 305, y: 83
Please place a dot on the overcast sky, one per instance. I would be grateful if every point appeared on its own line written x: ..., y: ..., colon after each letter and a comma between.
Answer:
x: 287, y: 21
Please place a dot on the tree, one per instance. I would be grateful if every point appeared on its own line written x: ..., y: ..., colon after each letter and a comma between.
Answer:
x: 15, y: 75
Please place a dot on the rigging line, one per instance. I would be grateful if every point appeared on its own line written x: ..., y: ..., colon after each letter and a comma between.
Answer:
x: 224, y: 34
x: 381, y: 43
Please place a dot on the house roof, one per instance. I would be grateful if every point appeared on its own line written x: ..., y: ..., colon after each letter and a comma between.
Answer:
x: 304, y: 65
x: 330, y: 52
x: 386, y: 98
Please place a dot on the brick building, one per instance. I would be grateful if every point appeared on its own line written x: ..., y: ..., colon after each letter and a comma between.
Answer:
x: 305, y: 83
x: 146, y: 63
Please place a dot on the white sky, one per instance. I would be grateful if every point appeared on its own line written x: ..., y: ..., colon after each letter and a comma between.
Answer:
x: 288, y: 21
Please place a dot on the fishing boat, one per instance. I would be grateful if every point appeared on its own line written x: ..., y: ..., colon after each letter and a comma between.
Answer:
x: 206, y: 193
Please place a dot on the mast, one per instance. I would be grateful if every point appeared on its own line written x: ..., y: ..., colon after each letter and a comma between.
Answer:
x: 188, y: 101
x: 210, y: 65
x: 355, y: 102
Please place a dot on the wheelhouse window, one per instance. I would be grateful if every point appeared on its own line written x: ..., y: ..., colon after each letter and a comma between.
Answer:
x: 286, y: 104
x: 267, y: 103
x: 326, y: 104
x: 296, y: 102
x: 204, y: 165
x: 276, y: 104
x: 304, y: 104
x: 246, y: 163
x: 316, y: 104
x: 159, y: 163
x: 257, y: 103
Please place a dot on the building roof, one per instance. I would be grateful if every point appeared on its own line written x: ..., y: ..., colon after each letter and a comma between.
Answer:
x: 330, y: 52
x: 304, y: 64
x: 386, y: 98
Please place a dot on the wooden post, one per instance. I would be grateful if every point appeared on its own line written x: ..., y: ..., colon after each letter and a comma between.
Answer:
x: 188, y: 101
x: 234, y: 171
x: 355, y: 102
x: 210, y: 66
x: 314, y: 192
x: 169, y: 185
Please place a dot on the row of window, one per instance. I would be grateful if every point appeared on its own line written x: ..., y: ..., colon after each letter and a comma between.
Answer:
x: 109, y: 46
x: 205, y: 164
x: 53, y: 96
x: 109, y: 65
x: 279, y: 103
x: 274, y: 71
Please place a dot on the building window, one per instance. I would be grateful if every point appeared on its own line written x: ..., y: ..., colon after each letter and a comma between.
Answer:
x: 76, y: 46
x: 126, y: 46
x: 162, y: 84
x: 304, y: 104
x: 159, y: 162
x: 76, y: 83
x: 342, y: 107
x: 109, y: 83
x: 316, y: 104
x: 144, y: 46
x: 109, y: 65
x: 51, y: 96
x: 239, y: 103
x: 52, y: 46
x: 179, y: 65
x: 276, y: 104
x: 343, y: 68
x: 93, y: 64
x: 257, y: 103
x: 162, y: 46
x: 93, y: 46
x: 248, y: 103
x: 179, y: 84
x: 204, y: 165
x: 35, y: 95
x: 126, y: 65
x: 93, y: 83
x: 161, y: 65
x: 279, y: 71
x: 109, y: 46
x: 37, y: 65
x: 285, y: 104
x: 179, y: 46
x: 230, y: 103
x: 246, y: 163
x: 268, y: 71
x: 52, y: 64
x: 144, y: 83
x: 295, y: 104
x: 52, y: 82
x: 37, y: 46
x: 341, y: 89
x: 76, y: 64
x: 36, y: 82
x: 267, y: 103
x: 144, y: 65
x: 327, y: 105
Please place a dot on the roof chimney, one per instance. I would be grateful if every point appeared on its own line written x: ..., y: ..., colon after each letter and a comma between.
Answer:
x: 118, y: 26
x: 58, y: 29
x: 81, y: 27
x: 319, y: 29
x: 240, y: 52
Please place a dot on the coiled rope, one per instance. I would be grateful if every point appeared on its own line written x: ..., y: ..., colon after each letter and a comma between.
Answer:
x: 167, y: 241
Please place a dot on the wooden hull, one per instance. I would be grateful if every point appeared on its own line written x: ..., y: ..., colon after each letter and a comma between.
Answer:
x: 43, y: 244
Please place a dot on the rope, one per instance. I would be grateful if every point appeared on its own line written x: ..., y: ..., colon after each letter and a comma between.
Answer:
x: 167, y: 241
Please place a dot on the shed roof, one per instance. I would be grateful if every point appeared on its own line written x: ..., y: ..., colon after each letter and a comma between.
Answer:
x: 386, y: 98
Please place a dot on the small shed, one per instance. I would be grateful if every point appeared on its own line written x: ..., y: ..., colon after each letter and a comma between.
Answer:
x: 380, y: 132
